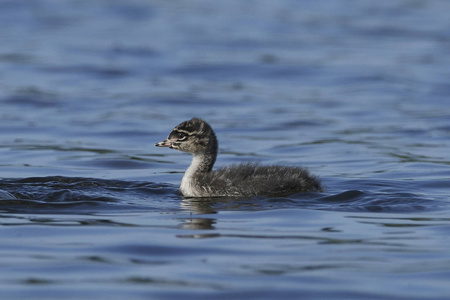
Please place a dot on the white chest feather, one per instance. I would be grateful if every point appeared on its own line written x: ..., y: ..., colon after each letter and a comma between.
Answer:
x: 188, y: 187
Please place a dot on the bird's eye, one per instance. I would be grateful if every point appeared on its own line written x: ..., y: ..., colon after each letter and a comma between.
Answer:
x: 181, y: 136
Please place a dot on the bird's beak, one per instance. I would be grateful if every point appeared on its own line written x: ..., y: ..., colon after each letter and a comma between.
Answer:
x: 165, y: 143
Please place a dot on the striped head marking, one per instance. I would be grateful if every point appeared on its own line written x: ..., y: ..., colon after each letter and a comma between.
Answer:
x: 192, y: 136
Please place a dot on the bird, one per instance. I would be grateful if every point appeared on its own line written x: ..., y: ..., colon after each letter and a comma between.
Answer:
x: 197, y: 137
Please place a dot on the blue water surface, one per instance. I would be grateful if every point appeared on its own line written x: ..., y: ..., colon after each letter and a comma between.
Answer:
x: 356, y: 91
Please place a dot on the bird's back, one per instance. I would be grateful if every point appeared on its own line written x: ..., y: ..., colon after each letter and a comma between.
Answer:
x: 253, y: 179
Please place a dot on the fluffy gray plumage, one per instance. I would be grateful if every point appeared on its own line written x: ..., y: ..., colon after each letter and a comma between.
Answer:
x: 253, y: 179
x: 244, y: 180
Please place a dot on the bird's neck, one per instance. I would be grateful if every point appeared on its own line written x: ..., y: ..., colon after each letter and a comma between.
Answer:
x: 202, y: 163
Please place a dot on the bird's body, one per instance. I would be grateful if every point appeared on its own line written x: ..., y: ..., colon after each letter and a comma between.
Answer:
x: 243, y: 180
x: 250, y: 179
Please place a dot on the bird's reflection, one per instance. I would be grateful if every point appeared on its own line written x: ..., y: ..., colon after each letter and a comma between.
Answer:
x: 202, y: 209
x: 198, y: 206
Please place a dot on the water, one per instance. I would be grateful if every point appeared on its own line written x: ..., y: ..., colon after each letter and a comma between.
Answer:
x: 357, y: 91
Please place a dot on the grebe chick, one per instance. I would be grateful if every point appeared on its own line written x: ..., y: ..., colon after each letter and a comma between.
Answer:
x: 245, y: 180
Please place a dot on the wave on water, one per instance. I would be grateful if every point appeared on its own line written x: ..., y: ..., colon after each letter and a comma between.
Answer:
x: 58, y: 194
x: 68, y: 195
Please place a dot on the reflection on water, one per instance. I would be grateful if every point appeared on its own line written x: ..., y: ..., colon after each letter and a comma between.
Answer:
x: 356, y: 91
x: 192, y: 244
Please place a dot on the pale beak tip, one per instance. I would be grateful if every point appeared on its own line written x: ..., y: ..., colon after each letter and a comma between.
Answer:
x: 163, y: 144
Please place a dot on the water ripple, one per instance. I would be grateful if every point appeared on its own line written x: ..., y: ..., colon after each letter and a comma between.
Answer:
x: 57, y: 193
